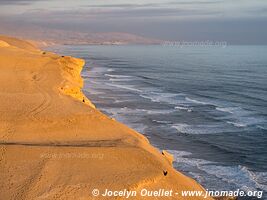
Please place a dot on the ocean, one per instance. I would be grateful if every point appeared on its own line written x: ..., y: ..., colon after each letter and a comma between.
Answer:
x: 205, y: 105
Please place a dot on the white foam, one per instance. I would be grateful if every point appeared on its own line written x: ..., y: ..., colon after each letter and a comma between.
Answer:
x: 120, y: 114
x: 198, y: 129
x: 122, y: 101
x: 126, y: 87
x: 155, y: 112
x: 240, y: 176
x: 98, y: 69
x: 183, y: 128
x: 123, y: 112
x: 91, y: 81
x: 120, y: 79
x: 236, y: 124
x: 161, y: 97
x: 183, y: 108
x: 240, y: 117
x: 196, y: 101
x: 117, y: 76
x: 162, y: 122
x: 95, y: 92
x: 228, y: 110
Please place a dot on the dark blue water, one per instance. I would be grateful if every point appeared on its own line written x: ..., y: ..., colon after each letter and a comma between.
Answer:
x: 207, y: 106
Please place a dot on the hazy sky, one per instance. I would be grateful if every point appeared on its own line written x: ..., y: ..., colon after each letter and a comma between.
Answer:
x: 234, y: 21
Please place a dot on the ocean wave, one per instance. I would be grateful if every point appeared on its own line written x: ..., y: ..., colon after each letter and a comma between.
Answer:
x: 238, y: 175
x: 134, y: 112
x: 120, y: 79
x: 240, y: 117
x: 261, y: 127
x: 180, y: 100
x: 156, y: 112
x: 228, y: 110
x: 196, y: 101
x: 94, y: 92
x: 162, y: 97
x: 183, y: 108
x: 91, y: 81
x: 236, y: 124
x: 96, y: 69
x: 198, y: 129
x: 234, y: 111
x: 183, y: 128
x: 246, y: 121
x: 117, y: 76
x: 126, y: 87
x: 124, y: 110
x: 123, y: 101
x: 161, y: 121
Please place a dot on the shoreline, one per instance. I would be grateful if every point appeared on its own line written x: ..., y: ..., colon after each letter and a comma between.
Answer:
x: 46, y: 113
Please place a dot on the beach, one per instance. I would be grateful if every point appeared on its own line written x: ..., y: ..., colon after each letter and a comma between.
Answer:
x: 56, y: 145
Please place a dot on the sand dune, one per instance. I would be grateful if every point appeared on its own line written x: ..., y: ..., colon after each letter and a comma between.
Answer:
x: 54, y: 144
x: 4, y: 44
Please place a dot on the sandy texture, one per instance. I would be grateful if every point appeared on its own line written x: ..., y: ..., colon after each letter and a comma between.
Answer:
x: 55, y: 145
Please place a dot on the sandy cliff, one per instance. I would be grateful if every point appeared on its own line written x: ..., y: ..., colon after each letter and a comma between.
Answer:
x: 54, y: 144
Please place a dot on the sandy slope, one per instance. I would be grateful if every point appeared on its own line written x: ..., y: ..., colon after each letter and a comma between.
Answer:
x: 55, y: 145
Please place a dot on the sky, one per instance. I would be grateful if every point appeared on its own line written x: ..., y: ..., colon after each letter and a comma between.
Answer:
x: 233, y: 21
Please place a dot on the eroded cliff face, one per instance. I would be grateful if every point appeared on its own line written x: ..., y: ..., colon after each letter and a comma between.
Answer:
x: 73, y: 83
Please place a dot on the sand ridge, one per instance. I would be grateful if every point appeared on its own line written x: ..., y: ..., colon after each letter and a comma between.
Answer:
x: 54, y: 143
x: 4, y: 44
